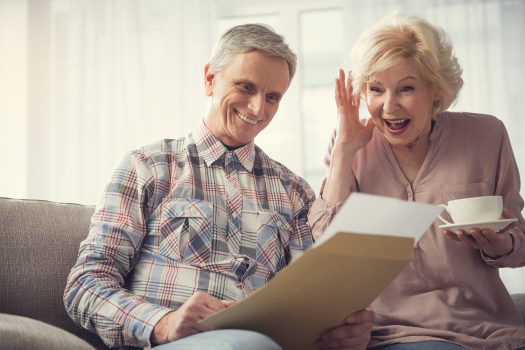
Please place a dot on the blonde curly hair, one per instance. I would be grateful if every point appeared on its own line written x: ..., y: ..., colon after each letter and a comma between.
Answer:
x: 397, y: 37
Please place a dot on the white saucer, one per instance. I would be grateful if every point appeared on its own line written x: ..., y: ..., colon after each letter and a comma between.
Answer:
x: 496, y: 225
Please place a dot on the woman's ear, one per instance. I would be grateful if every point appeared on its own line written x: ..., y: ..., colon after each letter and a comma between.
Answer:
x: 208, y: 80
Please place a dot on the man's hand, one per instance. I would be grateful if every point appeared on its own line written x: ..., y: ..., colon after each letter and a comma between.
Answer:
x: 185, y: 321
x: 353, y: 335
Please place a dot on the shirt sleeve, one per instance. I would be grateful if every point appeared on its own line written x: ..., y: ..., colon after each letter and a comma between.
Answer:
x: 95, y: 296
x: 301, y: 238
x: 508, y: 186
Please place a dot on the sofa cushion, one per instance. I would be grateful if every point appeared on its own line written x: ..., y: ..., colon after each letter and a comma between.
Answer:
x: 40, y: 241
x: 22, y: 333
x: 519, y: 300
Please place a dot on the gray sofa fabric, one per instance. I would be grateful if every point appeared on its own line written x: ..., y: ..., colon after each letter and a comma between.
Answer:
x: 40, y: 241
x: 22, y: 333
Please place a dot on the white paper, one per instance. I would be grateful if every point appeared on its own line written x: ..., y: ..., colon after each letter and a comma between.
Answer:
x: 371, y: 214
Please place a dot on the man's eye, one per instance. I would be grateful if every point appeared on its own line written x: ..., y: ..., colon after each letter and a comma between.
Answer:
x: 273, y: 98
x: 245, y: 87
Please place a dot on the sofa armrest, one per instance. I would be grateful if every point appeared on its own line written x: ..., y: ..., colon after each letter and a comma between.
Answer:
x: 21, y: 333
x: 519, y: 300
x: 40, y: 241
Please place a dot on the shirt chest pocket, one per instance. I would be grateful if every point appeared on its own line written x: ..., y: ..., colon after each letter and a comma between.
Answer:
x: 451, y: 191
x: 186, y: 230
x: 266, y: 235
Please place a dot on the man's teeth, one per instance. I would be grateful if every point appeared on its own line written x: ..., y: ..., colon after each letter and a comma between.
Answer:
x: 245, y: 118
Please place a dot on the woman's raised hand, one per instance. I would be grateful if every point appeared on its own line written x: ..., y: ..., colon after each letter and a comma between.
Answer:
x: 352, y: 133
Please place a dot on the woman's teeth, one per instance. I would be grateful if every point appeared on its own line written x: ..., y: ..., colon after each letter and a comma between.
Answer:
x: 245, y: 118
x: 397, y: 124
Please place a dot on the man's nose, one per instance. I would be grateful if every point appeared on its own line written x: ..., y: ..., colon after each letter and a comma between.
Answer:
x: 257, y: 104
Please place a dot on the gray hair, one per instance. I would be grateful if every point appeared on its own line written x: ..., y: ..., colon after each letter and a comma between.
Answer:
x: 245, y: 38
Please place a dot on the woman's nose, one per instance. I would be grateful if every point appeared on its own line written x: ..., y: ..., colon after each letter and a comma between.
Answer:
x: 390, y: 103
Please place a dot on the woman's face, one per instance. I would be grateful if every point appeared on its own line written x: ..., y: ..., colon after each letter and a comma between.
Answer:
x: 401, y: 103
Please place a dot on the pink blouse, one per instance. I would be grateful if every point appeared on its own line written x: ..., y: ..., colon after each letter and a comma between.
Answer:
x: 450, y: 291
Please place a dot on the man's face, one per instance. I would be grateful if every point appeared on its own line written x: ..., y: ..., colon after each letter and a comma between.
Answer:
x: 245, y: 96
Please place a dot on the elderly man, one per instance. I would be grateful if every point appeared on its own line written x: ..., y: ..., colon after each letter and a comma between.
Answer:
x: 185, y: 227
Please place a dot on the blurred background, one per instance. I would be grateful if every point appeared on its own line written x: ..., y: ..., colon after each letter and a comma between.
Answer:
x: 84, y: 81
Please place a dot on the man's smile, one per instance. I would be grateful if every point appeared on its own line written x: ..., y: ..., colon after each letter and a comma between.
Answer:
x: 244, y: 118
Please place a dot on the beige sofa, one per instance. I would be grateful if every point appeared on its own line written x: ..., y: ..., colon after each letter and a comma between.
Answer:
x: 40, y: 241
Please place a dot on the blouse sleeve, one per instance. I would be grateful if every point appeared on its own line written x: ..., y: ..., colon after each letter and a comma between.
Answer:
x: 508, y: 186
x: 321, y: 213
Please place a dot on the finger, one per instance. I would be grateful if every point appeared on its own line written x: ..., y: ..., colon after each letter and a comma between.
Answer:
x: 466, y: 238
x: 228, y: 303
x: 507, y: 214
x: 356, y: 101
x: 340, y: 93
x: 480, y: 239
x: 198, y: 327
x: 215, y: 305
x: 342, y: 86
x: 451, y: 235
x: 360, y: 316
x: 490, y: 236
x: 349, y: 88
x: 205, y: 304
x: 347, y: 331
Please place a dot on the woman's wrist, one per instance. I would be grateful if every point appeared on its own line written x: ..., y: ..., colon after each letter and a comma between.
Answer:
x: 507, y: 247
x: 338, y: 182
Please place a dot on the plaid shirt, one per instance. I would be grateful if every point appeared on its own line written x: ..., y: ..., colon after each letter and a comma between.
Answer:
x: 182, y: 216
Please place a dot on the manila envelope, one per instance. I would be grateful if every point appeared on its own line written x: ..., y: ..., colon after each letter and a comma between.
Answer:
x: 329, y: 281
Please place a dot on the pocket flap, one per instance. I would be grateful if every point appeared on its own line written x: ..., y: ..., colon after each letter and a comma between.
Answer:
x: 274, y: 219
x: 188, y: 207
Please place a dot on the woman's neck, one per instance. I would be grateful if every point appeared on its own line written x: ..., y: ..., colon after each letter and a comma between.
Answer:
x: 411, y: 157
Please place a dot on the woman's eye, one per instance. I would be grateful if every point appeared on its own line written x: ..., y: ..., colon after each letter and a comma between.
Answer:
x: 406, y: 89
x: 375, y: 90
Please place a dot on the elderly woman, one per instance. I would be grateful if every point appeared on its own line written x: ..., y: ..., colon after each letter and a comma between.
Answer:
x: 412, y: 148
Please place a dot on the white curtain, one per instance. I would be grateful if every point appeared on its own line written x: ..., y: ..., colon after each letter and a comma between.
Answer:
x: 111, y: 76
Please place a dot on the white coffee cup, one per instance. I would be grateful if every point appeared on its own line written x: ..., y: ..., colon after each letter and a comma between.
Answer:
x: 473, y: 209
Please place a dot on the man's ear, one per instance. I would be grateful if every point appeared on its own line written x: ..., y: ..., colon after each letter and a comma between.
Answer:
x: 209, y: 77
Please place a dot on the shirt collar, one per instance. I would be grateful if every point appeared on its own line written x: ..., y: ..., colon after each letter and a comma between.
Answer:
x: 211, y: 149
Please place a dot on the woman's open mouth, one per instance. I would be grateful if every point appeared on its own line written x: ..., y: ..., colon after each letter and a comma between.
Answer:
x: 396, y: 126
